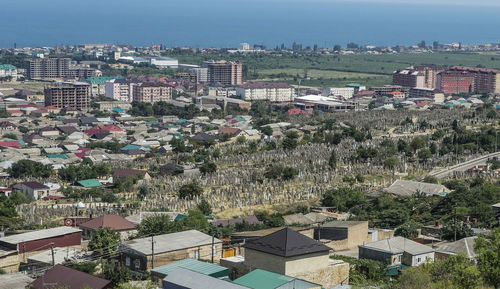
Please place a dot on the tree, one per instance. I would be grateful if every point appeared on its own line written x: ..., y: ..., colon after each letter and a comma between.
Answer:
x: 337, y: 48
x: 390, y: 162
x: 289, y: 173
x: 241, y: 139
x: 189, y: 191
x: 408, y: 230
x: 208, y: 167
x: 116, y: 273
x: 104, y: 242
x: 424, y: 155
x: 28, y: 168
x: 332, y: 162
x: 267, y: 130
x: 415, y: 278
x: 488, y: 260
x: 205, y: 207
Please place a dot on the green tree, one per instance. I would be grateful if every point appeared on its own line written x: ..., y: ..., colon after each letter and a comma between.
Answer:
x: 488, y: 260
x: 116, y: 273
x: 266, y: 130
x: 390, y: 162
x: 28, y: 168
x: 241, y: 139
x: 424, y: 155
x: 208, y: 167
x: 415, y: 278
x: 104, y: 242
x: 189, y: 191
x: 205, y: 207
x: 332, y: 162
x: 408, y: 230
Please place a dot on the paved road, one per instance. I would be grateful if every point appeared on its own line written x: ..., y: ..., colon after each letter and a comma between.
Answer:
x: 461, y: 167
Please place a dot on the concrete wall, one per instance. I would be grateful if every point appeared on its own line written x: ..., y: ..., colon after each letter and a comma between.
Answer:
x: 305, y: 263
x: 260, y: 260
x: 332, y: 275
x: 385, y: 257
x: 416, y: 260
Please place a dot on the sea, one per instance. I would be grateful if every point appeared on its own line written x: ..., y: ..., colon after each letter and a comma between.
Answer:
x: 227, y: 23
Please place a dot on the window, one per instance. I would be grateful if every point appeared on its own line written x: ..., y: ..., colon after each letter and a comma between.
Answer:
x: 399, y: 259
x: 214, y: 250
x: 418, y: 260
x: 197, y: 254
x: 137, y: 264
x: 127, y: 261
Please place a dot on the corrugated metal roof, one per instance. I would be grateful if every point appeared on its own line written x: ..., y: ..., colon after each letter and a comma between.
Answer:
x: 263, y: 279
x: 171, y: 242
x: 90, y: 183
x: 41, y: 234
x: 184, y: 278
x: 194, y: 265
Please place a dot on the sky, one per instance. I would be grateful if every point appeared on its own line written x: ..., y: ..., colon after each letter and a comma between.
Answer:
x: 226, y: 23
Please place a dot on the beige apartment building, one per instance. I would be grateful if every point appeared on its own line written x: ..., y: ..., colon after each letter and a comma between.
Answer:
x: 152, y: 92
x: 224, y: 72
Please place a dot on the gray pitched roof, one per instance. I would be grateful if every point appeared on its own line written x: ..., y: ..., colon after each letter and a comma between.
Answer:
x: 286, y: 243
x: 170, y: 242
x: 464, y: 245
x: 398, y: 245
x: 408, y: 188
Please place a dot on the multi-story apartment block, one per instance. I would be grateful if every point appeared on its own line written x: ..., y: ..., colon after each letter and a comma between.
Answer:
x: 344, y: 92
x: 485, y: 80
x: 201, y: 74
x: 120, y: 89
x: 54, y: 67
x: 152, y: 92
x: 83, y: 72
x: 8, y: 70
x: 98, y: 84
x: 270, y: 91
x: 418, y: 76
x: 223, y: 72
x: 455, y: 82
x: 68, y: 95
x: 384, y: 90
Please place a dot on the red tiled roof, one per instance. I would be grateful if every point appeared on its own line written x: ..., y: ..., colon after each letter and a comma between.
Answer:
x: 127, y: 173
x: 11, y: 144
x: 230, y: 130
x: 113, y: 222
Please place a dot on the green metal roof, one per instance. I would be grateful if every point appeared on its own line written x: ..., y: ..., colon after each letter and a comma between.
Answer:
x: 209, y: 269
x: 131, y: 147
x: 394, y: 270
x: 7, y: 66
x: 90, y: 183
x: 57, y: 156
x: 353, y: 85
x: 262, y: 279
x: 102, y: 79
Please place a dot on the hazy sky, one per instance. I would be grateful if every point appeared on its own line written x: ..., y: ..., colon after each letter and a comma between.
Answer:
x: 490, y: 3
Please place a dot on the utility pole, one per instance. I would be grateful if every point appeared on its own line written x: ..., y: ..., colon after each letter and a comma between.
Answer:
x: 455, y: 223
x: 152, y: 253
x: 213, y: 241
x: 52, y: 252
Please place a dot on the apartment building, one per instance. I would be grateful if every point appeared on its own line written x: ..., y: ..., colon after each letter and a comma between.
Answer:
x: 68, y: 95
x: 83, y: 73
x: 344, y: 92
x: 54, y: 67
x: 418, y: 76
x: 224, y: 72
x: 152, y: 92
x: 269, y: 91
x: 120, y: 89
x: 455, y: 82
x: 8, y: 70
x: 485, y: 80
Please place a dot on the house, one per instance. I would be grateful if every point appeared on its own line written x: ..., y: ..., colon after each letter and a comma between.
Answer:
x: 182, y: 278
x: 15, y: 249
x: 397, y: 251
x: 90, y: 183
x: 343, y: 235
x: 206, y: 268
x: 168, y: 248
x: 463, y: 246
x: 291, y: 253
x: 122, y: 174
x: 34, y: 190
x: 202, y: 138
x: 115, y: 223
x: 262, y: 279
x: 44, y: 259
x: 7, y: 126
x: 48, y: 131
x: 230, y: 131
x: 408, y: 188
x: 68, y: 129
x: 64, y: 277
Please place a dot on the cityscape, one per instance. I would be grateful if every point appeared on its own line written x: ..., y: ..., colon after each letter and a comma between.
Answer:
x: 285, y: 166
